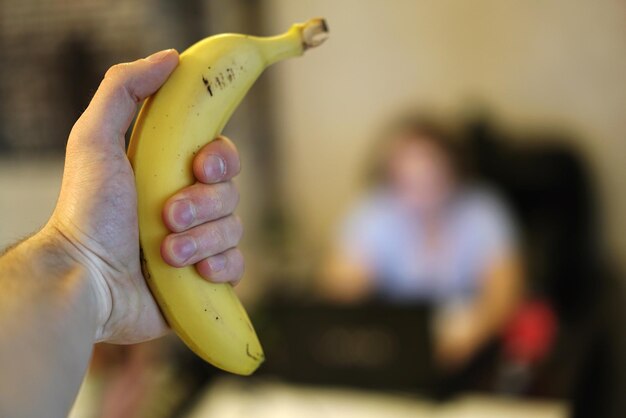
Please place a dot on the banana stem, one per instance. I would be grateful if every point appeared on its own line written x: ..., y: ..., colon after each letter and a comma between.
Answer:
x: 295, y: 41
x: 314, y: 33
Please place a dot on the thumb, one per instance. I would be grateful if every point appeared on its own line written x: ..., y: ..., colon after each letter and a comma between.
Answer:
x: 113, y: 107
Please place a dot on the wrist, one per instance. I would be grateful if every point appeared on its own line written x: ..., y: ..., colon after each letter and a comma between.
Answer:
x: 67, y: 264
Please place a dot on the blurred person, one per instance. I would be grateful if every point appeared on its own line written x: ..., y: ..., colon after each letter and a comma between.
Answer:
x: 78, y: 280
x: 425, y: 234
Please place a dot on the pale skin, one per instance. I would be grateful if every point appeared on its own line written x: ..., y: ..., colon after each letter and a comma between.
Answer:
x: 419, y: 176
x: 78, y: 280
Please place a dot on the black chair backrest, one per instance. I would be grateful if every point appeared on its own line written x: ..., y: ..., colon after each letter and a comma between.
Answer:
x: 548, y: 187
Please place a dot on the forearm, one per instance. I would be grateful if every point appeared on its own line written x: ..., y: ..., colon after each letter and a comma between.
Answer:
x: 501, y: 294
x: 48, y: 324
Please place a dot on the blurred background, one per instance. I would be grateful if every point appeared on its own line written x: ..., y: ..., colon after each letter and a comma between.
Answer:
x: 433, y: 202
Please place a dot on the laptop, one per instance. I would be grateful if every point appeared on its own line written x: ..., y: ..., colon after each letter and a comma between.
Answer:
x: 375, y: 346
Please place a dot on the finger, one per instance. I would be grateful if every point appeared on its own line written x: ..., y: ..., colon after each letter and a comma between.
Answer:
x: 225, y: 267
x: 198, y: 204
x: 203, y: 241
x: 217, y: 161
x: 114, y: 105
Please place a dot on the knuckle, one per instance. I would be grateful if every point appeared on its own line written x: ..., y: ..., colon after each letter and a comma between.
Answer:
x: 238, y: 259
x: 115, y: 71
x: 237, y: 227
x: 116, y: 78
x: 218, y: 239
x: 215, y: 203
x: 226, y: 234
x: 235, y: 194
x: 229, y: 197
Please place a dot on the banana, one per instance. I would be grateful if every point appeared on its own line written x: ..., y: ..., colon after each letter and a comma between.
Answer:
x: 187, y: 112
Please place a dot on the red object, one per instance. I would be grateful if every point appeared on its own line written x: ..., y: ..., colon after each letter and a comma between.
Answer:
x: 531, y: 332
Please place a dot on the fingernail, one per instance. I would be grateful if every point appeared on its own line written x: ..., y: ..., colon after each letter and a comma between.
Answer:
x: 158, y: 56
x: 182, y: 213
x: 183, y: 248
x: 217, y: 263
x: 214, y: 168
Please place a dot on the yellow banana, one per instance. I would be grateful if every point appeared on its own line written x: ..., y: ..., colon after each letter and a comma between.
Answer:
x: 189, y: 110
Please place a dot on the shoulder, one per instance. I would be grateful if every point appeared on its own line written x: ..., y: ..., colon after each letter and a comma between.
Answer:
x: 481, y: 201
x: 482, y: 209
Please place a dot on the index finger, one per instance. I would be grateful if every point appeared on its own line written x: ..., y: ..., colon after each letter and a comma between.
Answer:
x: 114, y: 105
x: 217, y: 161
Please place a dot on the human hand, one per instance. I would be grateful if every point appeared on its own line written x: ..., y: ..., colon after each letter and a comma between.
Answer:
x: 96, y: 215
x: 452, y: 352
x: 458, y: 337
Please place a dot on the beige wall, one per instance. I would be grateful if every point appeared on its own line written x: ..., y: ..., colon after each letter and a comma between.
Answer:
x: 558, y: 62
x: 537, y: 63
x: 28, y: 193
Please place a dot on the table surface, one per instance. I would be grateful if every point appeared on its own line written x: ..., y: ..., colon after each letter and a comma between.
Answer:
x: 233, y: 399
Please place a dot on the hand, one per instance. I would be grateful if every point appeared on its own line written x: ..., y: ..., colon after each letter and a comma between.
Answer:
x: 453, y: 352
x: 457, y: 339
x: 96, y: 214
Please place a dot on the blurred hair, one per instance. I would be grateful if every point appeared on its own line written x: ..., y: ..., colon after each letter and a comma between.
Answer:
x: 416, y: 127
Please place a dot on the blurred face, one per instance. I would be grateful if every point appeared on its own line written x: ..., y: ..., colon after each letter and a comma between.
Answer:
x: 420, y: 174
